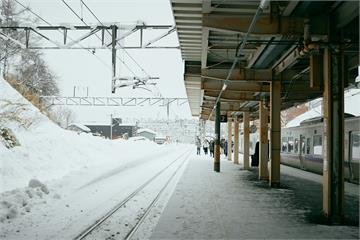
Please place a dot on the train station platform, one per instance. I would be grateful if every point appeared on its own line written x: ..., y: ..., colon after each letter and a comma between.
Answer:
x: 234, y: 204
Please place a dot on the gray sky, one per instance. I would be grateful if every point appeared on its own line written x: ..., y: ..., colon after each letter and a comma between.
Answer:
x: 79, y: 68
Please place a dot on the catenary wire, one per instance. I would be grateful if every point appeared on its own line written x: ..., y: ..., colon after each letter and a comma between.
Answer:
x: 127, y: 53
x: 82, y: 20
x: 48, y: 23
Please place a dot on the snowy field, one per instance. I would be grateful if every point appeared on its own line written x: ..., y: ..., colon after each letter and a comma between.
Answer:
x: 57, y: 182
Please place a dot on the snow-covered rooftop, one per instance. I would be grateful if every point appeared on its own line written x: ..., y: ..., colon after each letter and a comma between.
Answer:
x: 146, y: 130
x: 352, y: 99
x: 81, y: 126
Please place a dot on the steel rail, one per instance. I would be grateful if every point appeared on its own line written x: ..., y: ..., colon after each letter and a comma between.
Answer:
x: 98, y: 222
x: 153, y: 202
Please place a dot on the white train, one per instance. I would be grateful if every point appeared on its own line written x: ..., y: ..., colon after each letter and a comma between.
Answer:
x: 302, y: 146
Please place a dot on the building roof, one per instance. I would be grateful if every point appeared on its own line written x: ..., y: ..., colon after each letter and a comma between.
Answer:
x: 81, y: 126
x: 351, y: 97
x: 146, y: 130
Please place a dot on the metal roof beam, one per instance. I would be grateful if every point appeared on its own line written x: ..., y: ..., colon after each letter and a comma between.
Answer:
x: 265, y: 26
x: 226, y: 96
x: 239, y: 74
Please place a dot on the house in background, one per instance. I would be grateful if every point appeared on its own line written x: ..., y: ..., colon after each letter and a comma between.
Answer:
x: 118, y: 129
x: 147, y: 133
x: 79, y: 128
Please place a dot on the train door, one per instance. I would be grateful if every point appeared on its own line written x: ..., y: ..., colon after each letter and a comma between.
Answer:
x: 354, y: 155
x: 302, y: 151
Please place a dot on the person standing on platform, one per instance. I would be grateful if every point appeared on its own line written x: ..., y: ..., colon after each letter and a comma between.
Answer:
x: 211, y: 148
x: 198, y: 145
x: 206, y: 146
x: 225, y: 148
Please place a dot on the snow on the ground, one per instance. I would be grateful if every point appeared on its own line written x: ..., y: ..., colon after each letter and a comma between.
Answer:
x: 47, y: 182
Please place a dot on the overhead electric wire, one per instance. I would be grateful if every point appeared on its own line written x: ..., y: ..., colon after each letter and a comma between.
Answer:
x: 48, y: 23
x: 127, y: 53
x: 28, y: 9
x: 82, y: 20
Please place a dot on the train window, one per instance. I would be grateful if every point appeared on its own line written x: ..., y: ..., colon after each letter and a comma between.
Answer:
x: 302, y: 142
x: 355, y: 146
x: 284, y: 144
x: 317, y: 144
x: 296, y: 145
x: 290, y: 144
x: 308, y: 145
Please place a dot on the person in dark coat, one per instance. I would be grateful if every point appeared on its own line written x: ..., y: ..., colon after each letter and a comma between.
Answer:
x: 211, y: 148
x: 255, y: 156
x: 206, y: 146
x: 225, y: 148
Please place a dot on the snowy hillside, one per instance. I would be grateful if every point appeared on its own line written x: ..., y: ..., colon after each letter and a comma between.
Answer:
x: 48, y: 156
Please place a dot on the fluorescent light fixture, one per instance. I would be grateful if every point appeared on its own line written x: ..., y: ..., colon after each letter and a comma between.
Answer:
x: 264, y: 4
x: 224, y: 87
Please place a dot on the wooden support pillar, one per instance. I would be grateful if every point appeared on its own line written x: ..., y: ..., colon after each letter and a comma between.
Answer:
x: 229, y: 145
x: 275, y: 134
x: 246, y: 140
x: 263, y: 143
x: 333, y: 143
x: 217, y: 139
x: 236, y: 140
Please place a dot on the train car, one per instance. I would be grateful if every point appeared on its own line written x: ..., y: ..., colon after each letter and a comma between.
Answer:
x: 302, y: 146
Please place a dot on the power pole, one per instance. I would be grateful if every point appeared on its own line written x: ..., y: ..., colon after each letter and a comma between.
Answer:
x: 111, y: 126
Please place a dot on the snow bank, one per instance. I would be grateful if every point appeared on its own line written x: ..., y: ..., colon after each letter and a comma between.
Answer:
x: 48, y: 152
x: 49, y: 155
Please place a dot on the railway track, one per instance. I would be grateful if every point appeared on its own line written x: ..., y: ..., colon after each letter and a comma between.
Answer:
x: 89, y: 230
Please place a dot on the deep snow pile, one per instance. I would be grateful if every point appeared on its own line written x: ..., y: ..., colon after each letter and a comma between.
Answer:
x: 48, y: 152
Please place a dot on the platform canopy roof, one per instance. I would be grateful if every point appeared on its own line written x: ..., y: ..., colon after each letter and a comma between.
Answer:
x: 285, y: 45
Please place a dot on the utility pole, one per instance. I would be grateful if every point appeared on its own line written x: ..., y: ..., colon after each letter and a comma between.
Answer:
x: 111, y: 126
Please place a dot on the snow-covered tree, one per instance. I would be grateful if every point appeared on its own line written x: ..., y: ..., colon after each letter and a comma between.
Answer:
x: 28, y: 66
x: 33, y: 72
x: 62, y: 116
x: 9, y: 16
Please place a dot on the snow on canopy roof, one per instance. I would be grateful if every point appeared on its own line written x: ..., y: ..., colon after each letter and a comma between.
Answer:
x: 315, y: 112
x: 146, y: 130
x: 352, y: 99
x: 81, y: 126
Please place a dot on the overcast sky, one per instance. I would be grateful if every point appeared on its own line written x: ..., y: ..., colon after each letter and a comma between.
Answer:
x: 80, y: 69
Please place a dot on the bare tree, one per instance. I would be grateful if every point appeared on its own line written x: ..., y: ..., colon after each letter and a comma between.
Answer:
x: 30, y: 67
x: 33, y: 72
x: 9, y: 49
x: 14, y: 112
x: 62, y: 116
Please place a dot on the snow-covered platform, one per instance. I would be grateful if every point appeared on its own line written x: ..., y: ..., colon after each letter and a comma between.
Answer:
x: 234, y: 204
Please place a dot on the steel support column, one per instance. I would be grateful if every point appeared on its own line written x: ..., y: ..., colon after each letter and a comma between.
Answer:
x: 217, y: 139
x: 246, y: 140
x: 263, y: 143
x: 113, y: 55
x: 236, y: 140
x: 229, y: 145
x: 275, y: 133
x: 333, y: 144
